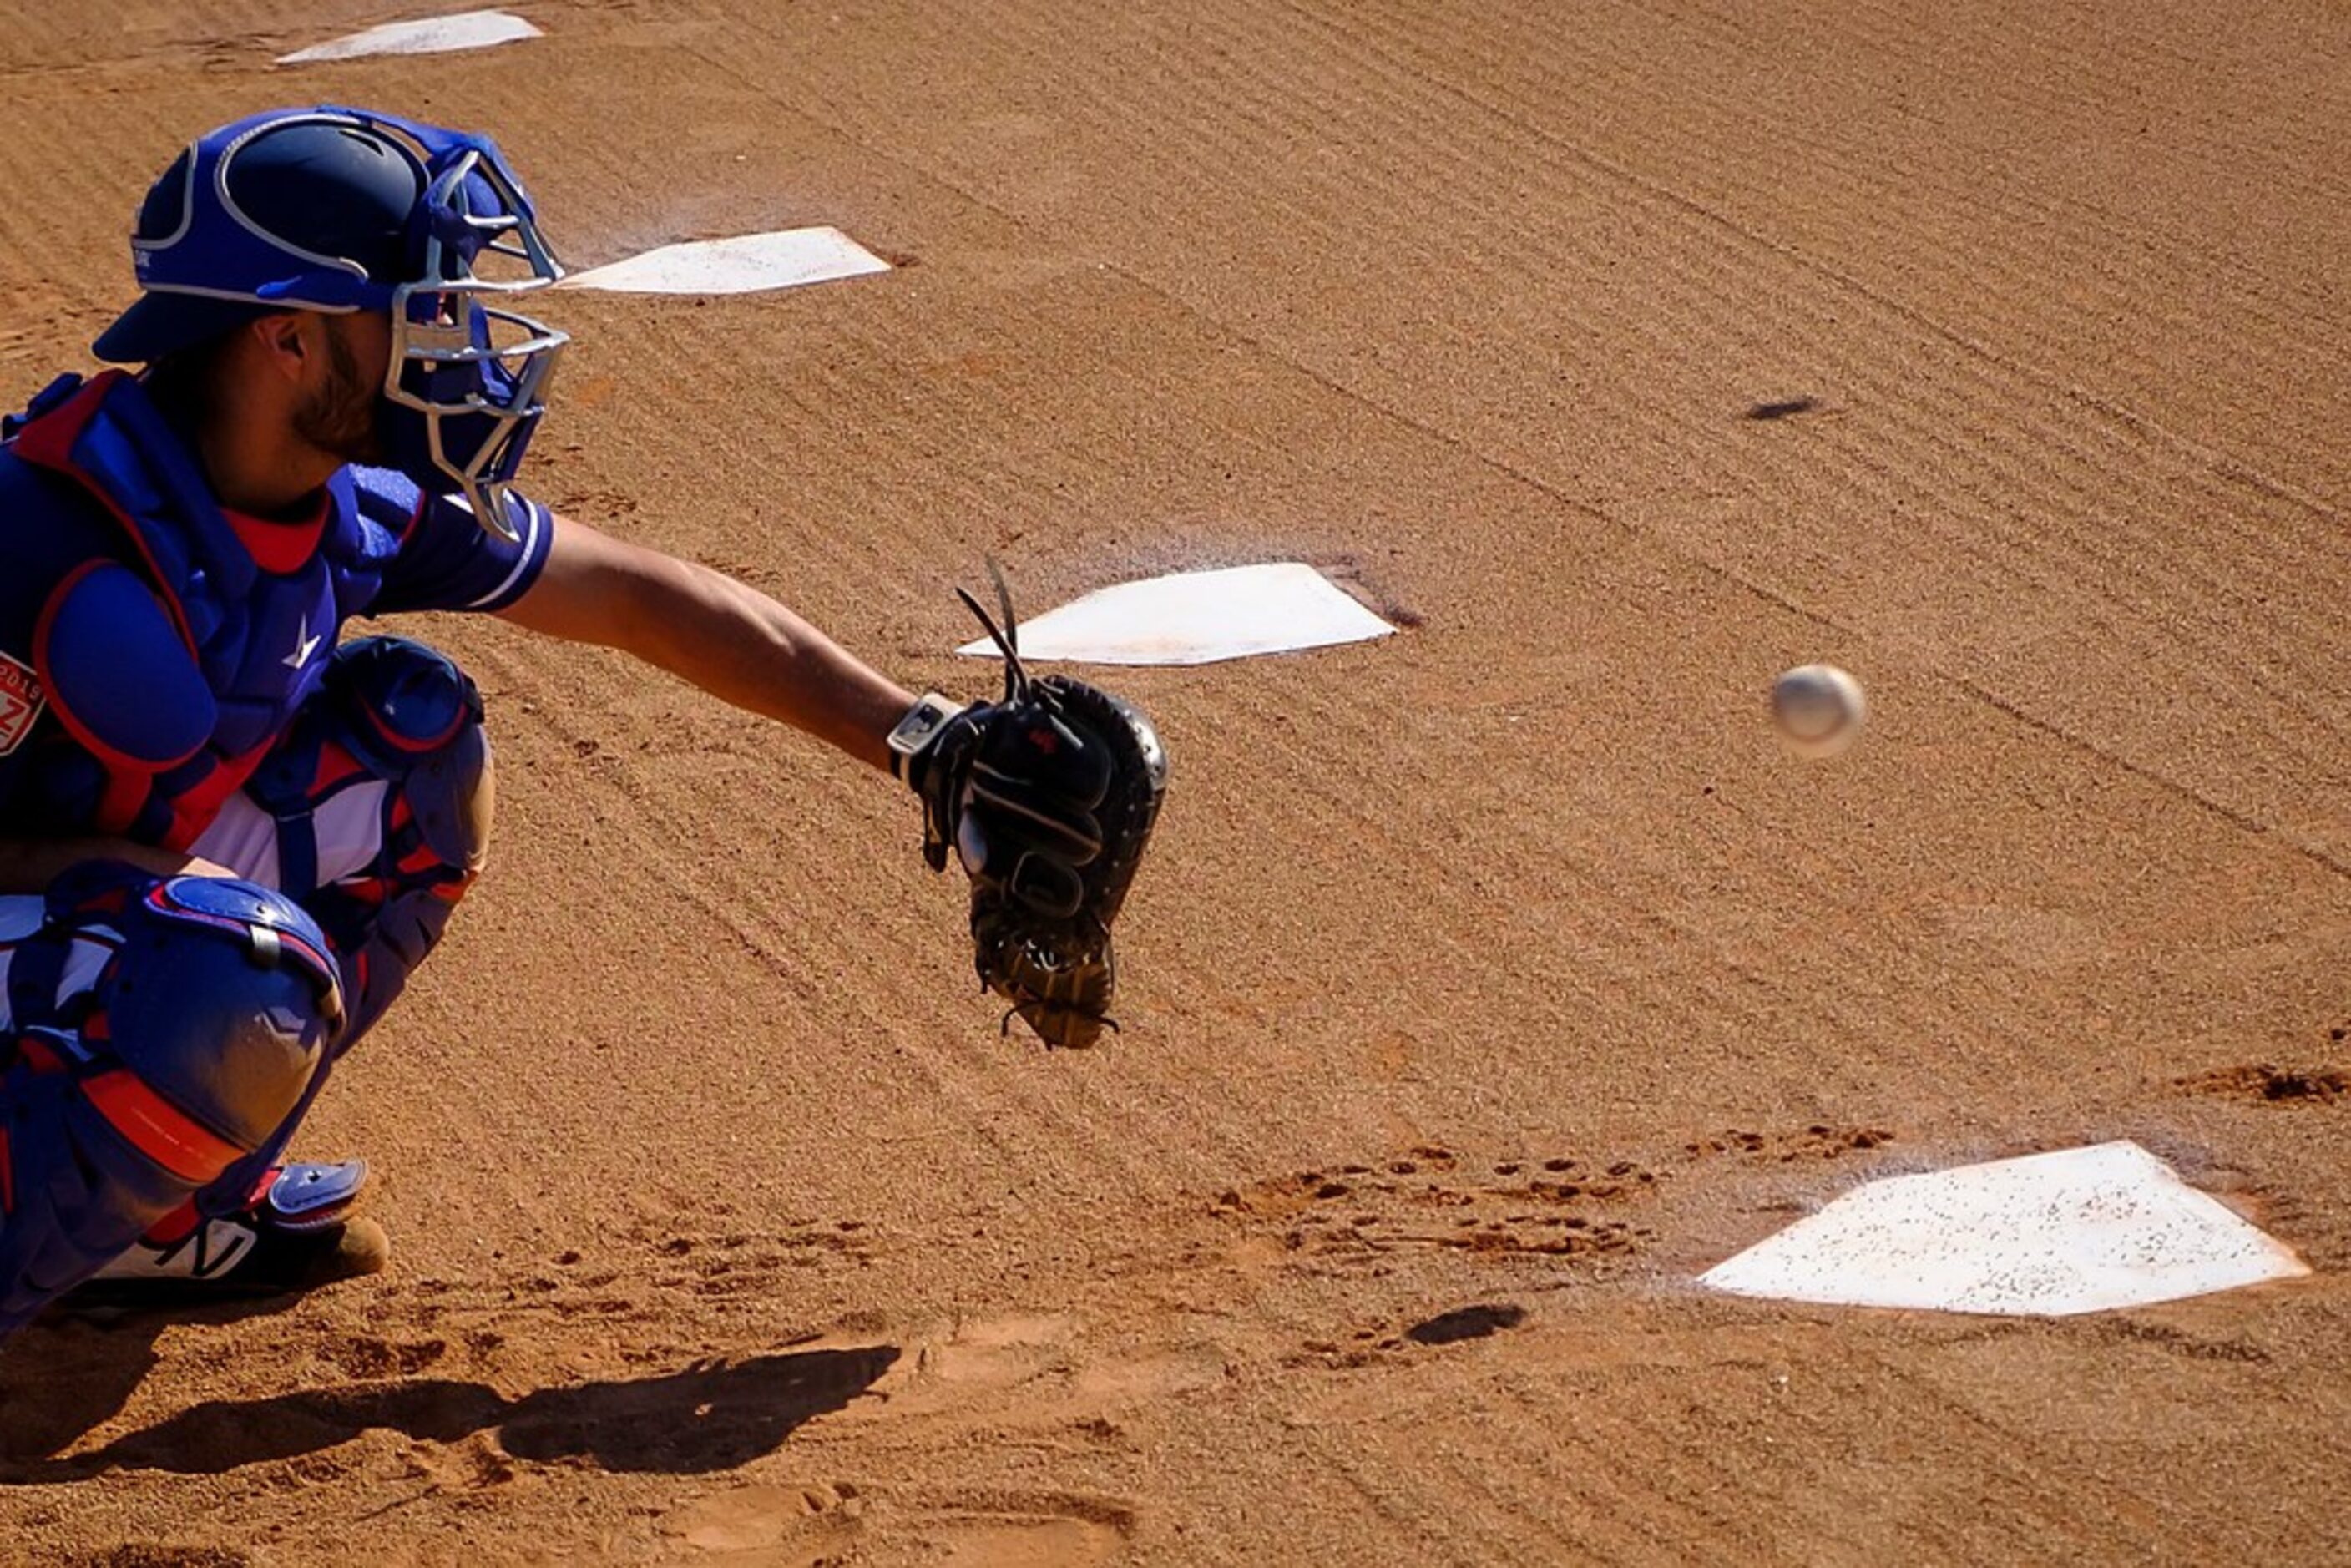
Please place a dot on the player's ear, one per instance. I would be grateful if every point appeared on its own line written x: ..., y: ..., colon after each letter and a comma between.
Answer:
x: 285, y: 340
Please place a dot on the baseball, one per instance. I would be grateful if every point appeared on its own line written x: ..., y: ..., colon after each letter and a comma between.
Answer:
x: 1818, y: 709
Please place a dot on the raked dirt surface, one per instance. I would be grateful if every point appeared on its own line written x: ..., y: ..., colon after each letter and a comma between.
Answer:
x: 1489, y: 982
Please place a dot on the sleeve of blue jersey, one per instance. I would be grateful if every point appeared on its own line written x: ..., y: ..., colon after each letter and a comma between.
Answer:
x: 441, y: 558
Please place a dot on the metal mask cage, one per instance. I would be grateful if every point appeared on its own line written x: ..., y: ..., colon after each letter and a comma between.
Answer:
x: 477, y: 370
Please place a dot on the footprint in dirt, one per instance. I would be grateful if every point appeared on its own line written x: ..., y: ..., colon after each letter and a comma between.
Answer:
x: 365, y: 1356
x: 1352, y: 1216
x: 1479, y: 1320
x: 1817, y: 1142
x: 779, y: 1526
x: 750, y: 1261
x: 995, y: 1353
x: 1031, y: 1544
x: 1026, y: 1531
x: 817, y: 1524
x: 1041, y: 1356
x: 2265, y: 1084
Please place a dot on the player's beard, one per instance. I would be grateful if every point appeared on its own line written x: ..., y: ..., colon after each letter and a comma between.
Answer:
x: 340, y: 417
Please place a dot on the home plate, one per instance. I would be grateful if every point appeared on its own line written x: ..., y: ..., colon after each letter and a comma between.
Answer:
x: 744, y: 265
x: 431, y: 36
x: 2081, y: 1231
x: 1198, y: 618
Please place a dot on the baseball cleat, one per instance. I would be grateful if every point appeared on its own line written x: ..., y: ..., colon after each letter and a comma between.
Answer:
x: 297, y: 1234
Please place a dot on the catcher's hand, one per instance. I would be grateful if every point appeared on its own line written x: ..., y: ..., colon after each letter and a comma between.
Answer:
x: 1049, y: 798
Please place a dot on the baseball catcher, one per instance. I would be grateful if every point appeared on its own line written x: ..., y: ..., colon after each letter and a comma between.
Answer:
x: 228, y: 839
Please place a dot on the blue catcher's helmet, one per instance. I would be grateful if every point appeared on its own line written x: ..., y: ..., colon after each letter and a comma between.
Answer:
x: 340, y: 209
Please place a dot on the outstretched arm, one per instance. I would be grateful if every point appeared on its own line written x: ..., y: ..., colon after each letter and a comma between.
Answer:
x: 729, y: 639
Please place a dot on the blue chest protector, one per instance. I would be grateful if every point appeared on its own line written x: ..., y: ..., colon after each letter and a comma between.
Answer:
x: 159, y: 659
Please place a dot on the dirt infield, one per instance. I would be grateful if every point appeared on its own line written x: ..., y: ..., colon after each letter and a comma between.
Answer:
x: 1490, y: 981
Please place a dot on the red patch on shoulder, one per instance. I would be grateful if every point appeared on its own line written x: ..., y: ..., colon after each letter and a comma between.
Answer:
x: 21, y: 702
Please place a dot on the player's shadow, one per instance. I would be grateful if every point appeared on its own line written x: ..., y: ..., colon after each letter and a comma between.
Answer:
x: 65, y: 1374
x: 712, y: 1416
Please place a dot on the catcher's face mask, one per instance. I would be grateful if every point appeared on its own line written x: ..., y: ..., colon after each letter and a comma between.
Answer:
x: 340, y: 210
x: 467, y: 381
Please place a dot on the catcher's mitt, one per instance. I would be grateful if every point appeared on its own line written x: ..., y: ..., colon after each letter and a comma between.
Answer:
x: 1049, y: 798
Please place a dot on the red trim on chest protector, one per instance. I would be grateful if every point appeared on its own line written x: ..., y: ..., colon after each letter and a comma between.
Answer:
x: 279, y: 549
x: 193, y: 808
x: 48, y: 443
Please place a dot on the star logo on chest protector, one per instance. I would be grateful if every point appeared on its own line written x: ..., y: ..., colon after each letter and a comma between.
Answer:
x: 305, y: 644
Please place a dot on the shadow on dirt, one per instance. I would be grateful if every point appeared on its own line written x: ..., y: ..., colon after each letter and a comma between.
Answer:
x: 67, y: 1372
x: 713, y: 1416
x: 1783, y: 408
x: 1467, y: 1323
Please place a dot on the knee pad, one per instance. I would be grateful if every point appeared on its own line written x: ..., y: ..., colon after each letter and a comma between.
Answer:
x: 399, y: 717
x: 396, y: 713
x: 190, y: 1047
x: 208, y: 1026
x: 412, y: 716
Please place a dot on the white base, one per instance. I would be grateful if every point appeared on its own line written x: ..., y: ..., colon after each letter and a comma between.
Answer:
x: 746, y: 264
x: 431, y: 36
x: 2081, y: 1231
x: 1198, y: 618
